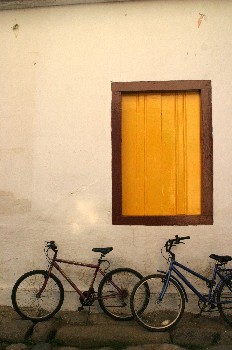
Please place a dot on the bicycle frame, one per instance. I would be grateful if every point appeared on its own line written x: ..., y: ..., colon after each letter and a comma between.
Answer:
x: 211, y: 297
x: 54, y: 264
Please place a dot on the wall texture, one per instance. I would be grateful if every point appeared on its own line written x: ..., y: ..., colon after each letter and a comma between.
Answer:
x: 18, y: 4
x: 57, y: 65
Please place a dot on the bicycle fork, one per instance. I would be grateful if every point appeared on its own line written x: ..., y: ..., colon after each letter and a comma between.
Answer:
x: 38, y: 295
x: 165, y: 279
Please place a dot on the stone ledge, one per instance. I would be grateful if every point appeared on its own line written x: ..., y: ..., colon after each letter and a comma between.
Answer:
x: 75, y: 331
x: 15, y: 331
x: 195, y: 337
x: 120, y: 335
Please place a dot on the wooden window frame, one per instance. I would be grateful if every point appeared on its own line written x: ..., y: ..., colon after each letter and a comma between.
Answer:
x: 202, y: 86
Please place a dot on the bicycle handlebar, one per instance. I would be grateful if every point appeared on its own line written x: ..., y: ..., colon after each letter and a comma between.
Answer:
x: 172, y: 242
x: 51, y: 245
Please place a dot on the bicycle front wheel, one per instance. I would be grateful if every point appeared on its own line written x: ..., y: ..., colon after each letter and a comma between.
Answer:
x: 224, y: 300
x: 36, y: 298
x: 158, y: 315
x: 115, y: 290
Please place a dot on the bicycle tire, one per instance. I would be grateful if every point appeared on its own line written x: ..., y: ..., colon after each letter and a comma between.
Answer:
x: 114, y: 303
x: 26, y: 302
x: 224, y: 295
x: 164, y: 316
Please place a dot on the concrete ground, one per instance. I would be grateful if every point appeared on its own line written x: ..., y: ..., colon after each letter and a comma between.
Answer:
x: 79, y: 330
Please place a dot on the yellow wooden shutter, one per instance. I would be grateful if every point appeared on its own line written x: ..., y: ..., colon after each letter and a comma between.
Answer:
x: 161, y: 154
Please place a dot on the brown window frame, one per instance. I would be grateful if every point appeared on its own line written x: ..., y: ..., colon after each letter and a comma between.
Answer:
x: 202, y: 86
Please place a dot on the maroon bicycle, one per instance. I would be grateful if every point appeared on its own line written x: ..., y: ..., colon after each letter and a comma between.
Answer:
x: 38, y: 295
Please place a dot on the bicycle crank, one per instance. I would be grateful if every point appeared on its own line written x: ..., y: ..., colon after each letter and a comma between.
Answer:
x: 206, y: 307
x: 90, y: 297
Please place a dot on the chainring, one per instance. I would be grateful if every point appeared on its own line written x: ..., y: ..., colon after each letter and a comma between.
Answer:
x: 89, y: 298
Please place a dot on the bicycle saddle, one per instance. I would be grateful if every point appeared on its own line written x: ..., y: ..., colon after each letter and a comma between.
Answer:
x: 102, y: 250
x: 221, y: 259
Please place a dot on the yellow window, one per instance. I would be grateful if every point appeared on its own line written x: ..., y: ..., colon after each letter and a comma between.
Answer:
x: 162, y: 159
x: 161, y: 154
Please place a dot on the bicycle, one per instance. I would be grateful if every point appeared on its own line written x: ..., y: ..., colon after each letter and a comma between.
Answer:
x: 38, y: 295
x: 168, y: 295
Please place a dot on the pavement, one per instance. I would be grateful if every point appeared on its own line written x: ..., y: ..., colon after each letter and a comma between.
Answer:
x: 73, y: 330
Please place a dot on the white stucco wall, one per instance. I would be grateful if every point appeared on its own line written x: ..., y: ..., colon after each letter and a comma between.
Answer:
x: 19, y: 4
x: 56, y: 71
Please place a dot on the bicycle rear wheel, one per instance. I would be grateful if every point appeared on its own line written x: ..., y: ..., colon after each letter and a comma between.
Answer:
x: 32, y: 306
x: 115, y: 290
x: 224, y: 300
x: 158, y: 315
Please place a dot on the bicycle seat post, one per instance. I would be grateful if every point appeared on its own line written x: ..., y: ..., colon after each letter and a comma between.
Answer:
x: 101, y: 258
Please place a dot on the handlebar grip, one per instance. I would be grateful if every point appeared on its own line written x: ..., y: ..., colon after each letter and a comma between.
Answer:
x: 182, y: 238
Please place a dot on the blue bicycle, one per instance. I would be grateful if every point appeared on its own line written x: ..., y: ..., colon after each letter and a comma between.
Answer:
x: 167, y: 295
